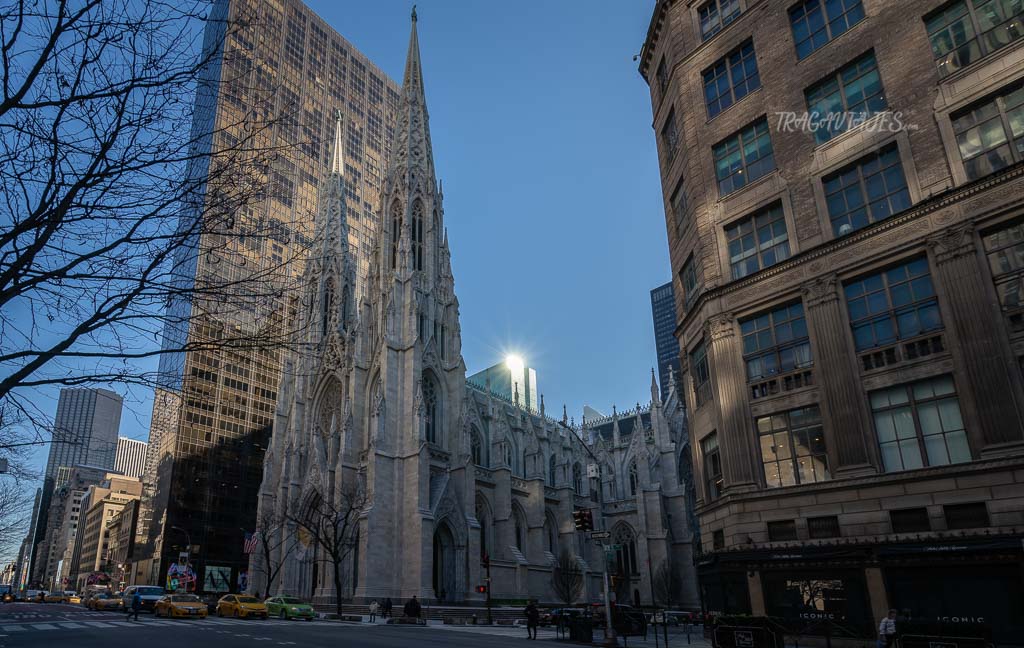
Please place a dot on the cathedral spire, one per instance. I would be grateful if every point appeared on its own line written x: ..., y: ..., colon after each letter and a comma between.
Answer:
x: 412, y: 150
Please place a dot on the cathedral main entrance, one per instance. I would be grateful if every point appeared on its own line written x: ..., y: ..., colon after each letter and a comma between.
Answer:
x: 444, y: 580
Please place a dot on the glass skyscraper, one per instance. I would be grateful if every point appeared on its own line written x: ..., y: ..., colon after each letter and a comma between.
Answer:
x: 212, y: 416
x: 663, y: 309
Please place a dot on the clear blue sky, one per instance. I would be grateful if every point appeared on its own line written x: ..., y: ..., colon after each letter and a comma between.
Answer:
x: 542, y: 136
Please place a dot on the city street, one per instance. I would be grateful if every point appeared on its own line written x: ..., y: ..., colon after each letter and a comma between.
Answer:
x: 46, y: 625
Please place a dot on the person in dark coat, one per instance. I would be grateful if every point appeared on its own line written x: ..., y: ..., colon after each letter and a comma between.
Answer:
x: 387, y: 607
x: 136, y: 606
x: 412, y: 608
x: 532, y: 620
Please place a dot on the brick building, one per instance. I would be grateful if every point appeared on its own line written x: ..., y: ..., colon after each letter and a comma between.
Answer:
x: 844, y: 194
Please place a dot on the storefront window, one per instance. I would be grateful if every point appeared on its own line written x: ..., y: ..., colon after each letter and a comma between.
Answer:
x: 804, y: 598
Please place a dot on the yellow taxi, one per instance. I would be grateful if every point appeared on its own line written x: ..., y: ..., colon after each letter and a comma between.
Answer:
x: 53, y: 597
x: 241, y: 607
x: 180, y: 605
x: 103, y: 601
x: 72, y: 597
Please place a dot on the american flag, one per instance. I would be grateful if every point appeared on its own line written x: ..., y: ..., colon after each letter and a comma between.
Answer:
x: 251, y: 540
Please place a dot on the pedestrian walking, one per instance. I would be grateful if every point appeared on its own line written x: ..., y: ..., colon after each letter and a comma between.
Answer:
x: 388, y: 604
x: 532, y: 620
x: 136, y: 605
x: 373, y: 610
x: 412, y: 608
x: 887, y: 630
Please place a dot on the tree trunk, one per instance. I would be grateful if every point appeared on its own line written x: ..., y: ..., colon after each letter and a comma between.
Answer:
x: 337, y: 586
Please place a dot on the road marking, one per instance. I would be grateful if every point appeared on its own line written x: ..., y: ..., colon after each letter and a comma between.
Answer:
x: 44, y: 626
x: 13, y: 628
x: 69, y: 624
x: 96, y: 624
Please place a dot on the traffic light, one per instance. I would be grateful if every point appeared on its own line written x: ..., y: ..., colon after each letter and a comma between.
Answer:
x: 485, y: 561
x: 481, y: 589
x: 583, y: 520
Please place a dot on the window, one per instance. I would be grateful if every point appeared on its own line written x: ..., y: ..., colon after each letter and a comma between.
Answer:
x: 552, y: 470
x: 700, y: 374
x: 895, y: 304
x: 476, y: 446
x: 633, y: 483
x: 869, y: 190
x: 781, y: 530
x: 662, y: 76
x: 823, y: 527
x: 688, y: 276
x: 417, y: 236
x: 919, y: 424
x: 757, y: 241
x: 577, y: 478
x: 715, y: 15
x: 816, y: 22
x: 850, y: 96
x: 731, y: 78
x: 431, y: 409
x: 670, y: 136
x: 744, y: 157
x: 1005, y: 251
x: 678, y: 201
x: 396, y: 231
x: 776, y: 342
x: 718, y: 539
x: 990, y: 134
x: 967, y: 31
x: 913, y: 520
x: 966, y: 516
x: 328, y: 306
x: 793, y: 448
x: 712, y: 465
x: 625, y: 555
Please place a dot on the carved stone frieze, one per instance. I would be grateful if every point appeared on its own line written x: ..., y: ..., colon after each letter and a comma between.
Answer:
x: 821, y: 291
x: 953, y: 243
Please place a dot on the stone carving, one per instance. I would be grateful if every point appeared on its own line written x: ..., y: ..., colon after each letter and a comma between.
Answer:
x: 720, y: 327
x: 953, y: 243
x: 821, y: 291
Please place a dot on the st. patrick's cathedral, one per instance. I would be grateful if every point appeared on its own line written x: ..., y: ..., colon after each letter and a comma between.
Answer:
x: 451, y: 471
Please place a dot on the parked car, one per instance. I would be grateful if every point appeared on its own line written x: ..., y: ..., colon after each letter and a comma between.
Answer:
x: 53, y: 597
x: 241, y: 607
x: 559, y: 615
x: 150, y: 595
x: 288, y: 607
x: 35, y: 596
x: 180, y: 605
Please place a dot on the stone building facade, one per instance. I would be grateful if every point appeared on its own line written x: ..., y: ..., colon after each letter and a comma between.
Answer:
x: 849, y: 296
x: 451, y: 470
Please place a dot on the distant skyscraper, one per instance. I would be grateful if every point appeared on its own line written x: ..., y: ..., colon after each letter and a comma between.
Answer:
x: 131, y: 457
x: 84, y: 429
x: 84, y: 433
x: 663, y: 308
x: 511, y: 378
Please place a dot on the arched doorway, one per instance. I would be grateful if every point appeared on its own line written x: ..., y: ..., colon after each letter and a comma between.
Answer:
x: 445, y: 583
x: 314, y: 581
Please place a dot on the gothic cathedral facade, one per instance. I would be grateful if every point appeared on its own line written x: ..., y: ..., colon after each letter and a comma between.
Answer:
x: 376, y: 401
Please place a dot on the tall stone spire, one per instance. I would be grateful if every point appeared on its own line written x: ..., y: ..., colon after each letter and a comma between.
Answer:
x: 338, y: 155
x: 412, y: 150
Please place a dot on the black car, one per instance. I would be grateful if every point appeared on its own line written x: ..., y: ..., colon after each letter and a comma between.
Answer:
x: 558, y: 616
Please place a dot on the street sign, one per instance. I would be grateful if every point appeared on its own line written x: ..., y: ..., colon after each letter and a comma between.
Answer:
x: 600, y: 535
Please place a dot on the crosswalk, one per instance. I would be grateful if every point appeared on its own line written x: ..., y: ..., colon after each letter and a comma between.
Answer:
x: 143, y: 622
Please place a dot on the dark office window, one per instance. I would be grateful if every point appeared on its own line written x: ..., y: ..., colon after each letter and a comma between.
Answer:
x: 967, y: 31
x: 782, y: 530
x: 823, y: 527
x: 870, y: 190
x: 990, y: 133
x: 731, y: 78
x: 966, y: 516
x: 846, y: 98
x: 715, y: 15
x: 912, y: 520
x: 816, y: 22
x: 718, y: 539
x: 896, y: 304
x: 712, y: 465
x: 743, y: 157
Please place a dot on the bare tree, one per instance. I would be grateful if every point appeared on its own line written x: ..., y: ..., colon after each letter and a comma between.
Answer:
x: 274, y: 546
x: 122, y: 176
x: 668, y: 585
x: 567, y: 577
x: 15, y: 510
x: 332, y: 526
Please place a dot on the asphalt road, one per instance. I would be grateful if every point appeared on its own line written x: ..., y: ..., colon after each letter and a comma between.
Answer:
x: 56, y: 625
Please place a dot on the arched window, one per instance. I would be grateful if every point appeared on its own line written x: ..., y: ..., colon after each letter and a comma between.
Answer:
x: 512, y: 456
x: 328, y: 306
x: 438, y: 240
x: 577, y: 478
x: 633, y: 483
x: 483, y: 516
x: 476, y: 446
x: 520, y: 524
x: 417, y: 235
x: 344, y: 306
x: 551, y: 533
x: 431, y: 409
x: 610, y: 483
x: 624, y: 537
x: 552, y: 469
x: 396, y: 231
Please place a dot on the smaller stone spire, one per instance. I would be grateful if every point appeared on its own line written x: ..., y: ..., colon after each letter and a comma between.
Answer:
x: 338, y: 155
x: 655, y: 395
x: 565, y: 415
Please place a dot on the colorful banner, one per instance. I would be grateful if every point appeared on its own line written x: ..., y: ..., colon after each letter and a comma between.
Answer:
x: 181, y: 578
